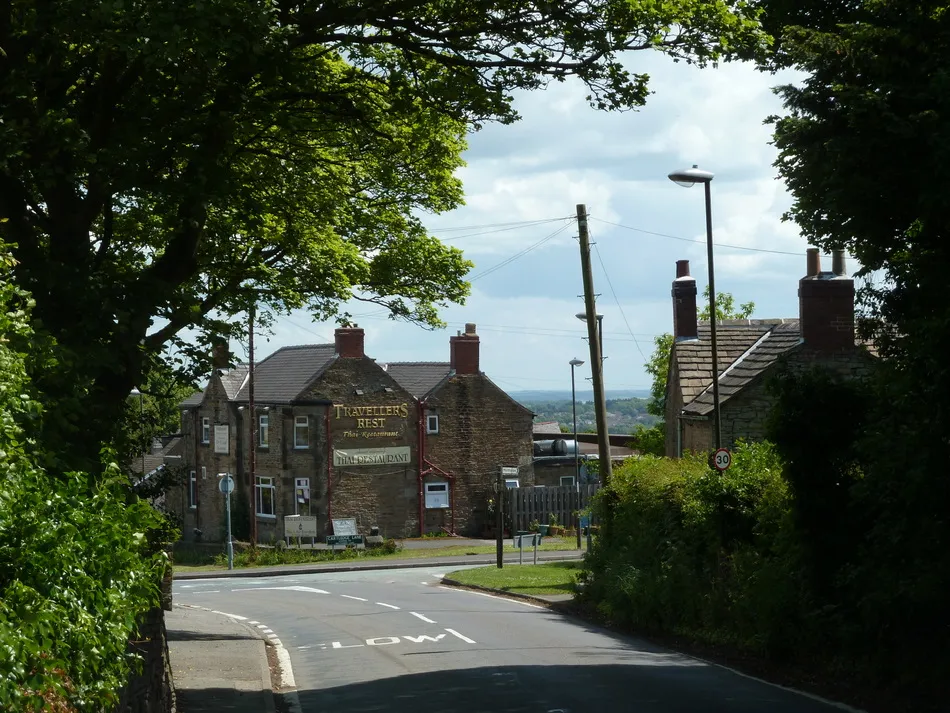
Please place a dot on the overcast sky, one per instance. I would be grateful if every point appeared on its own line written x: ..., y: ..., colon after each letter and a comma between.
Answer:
x: 563, y: 153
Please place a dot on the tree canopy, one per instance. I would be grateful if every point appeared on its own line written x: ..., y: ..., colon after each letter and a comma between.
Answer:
x: 165, y: 165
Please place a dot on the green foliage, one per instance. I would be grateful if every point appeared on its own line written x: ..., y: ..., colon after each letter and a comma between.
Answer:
x: 700, y: 554
x: 651, y: 441
x: 270, y: 556
x: 288, y: 153
x: 626, y: 415
x: 78, y: 562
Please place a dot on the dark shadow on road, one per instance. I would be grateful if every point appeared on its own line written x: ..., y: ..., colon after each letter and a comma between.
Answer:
x: 176, y: 635
x: 598, y: 688
x: 219, y: 699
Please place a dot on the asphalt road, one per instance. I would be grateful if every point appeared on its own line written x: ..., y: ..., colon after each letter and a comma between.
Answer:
x: 399, y: 641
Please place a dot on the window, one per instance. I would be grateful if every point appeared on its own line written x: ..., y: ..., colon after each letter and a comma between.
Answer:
x: 206, y: 430
x: 512, y: 483
x: 302, y: 432
x: 262, y: 439
x: 265, y: 496
x: 437, y: 495
x: 204, y: 473
x: 432, y: 423
x: 567, y: 480
x: 192, y: 490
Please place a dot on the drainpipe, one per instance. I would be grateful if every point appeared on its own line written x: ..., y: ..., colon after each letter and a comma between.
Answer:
x: 197, y: 472
x: 679, y: 437
x: 326, y: 420
x: 421, y: 457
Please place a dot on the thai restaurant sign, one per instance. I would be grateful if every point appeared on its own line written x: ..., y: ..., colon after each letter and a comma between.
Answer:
x: 398, y: 455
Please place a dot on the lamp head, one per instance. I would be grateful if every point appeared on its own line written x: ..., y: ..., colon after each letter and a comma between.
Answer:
x: 688, y: 177
x: 575, y: 362
x: 582, y: 316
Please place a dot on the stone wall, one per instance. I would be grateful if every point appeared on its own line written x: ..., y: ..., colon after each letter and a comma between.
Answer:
x: 481, y: 429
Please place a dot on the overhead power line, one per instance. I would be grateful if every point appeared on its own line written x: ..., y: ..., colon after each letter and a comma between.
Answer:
x: 695, y: 240
x: 520, y: 253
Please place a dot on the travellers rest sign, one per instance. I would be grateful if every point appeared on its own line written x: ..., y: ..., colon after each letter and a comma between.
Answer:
x: 373, y: 421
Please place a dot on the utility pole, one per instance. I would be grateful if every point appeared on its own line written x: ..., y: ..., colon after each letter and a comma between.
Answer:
x: 499, y: 521
x: 252, y: 415
x: 593, y: 340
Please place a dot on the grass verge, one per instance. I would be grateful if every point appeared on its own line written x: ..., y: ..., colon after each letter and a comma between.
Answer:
x: 545, y: 578
x: 268, y: 557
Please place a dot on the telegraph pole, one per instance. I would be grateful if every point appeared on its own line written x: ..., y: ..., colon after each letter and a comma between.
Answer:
x: 593, y: 340
x: 252, y: 446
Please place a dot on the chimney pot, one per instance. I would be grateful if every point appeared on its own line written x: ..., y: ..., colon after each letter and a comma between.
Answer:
x: 837, y: 263
x: 349, y: 342
x: 469, y: 328
x: 682, y: 268
x: 463, y: 349
x: 812, y: 262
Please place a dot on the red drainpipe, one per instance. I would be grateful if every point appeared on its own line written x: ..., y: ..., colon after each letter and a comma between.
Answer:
x: 326, y: 420
x: 421, y: 457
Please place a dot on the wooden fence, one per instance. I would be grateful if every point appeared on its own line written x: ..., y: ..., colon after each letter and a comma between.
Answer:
x: 527, y: 505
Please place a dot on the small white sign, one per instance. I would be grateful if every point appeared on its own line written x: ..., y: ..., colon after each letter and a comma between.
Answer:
x: 222, y: 436
x: 226, y: 484
x: 509, y: 472
x: 722, y: 459
x: 300, y: 525
x: 398, y: 455
x: 345, y: 526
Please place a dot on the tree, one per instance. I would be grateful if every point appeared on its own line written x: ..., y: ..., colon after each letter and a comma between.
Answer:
x: 658, y: 366
x: 164, y: 165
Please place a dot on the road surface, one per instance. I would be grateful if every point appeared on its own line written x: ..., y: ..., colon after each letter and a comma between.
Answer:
x: 400, y: 641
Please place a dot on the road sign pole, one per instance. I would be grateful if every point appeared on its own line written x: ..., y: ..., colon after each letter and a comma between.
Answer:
x: 499, y: 520
x: 227, y: 507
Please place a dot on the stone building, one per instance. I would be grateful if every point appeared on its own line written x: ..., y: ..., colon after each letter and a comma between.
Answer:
x: 337, y: 434
x: 749, y: 351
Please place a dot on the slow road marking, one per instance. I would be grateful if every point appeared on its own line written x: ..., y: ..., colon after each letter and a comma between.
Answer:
x: 392, y: 640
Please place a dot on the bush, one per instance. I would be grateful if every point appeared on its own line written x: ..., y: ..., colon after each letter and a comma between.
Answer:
x: 692, y: 552
x: 77, y: 567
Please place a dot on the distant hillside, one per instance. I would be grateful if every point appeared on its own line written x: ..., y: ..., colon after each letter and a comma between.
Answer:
x: 623, y: 415
x: 526, y: 397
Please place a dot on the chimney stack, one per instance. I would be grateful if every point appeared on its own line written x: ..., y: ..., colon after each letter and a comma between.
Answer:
x: 685, y: 320
x: 826, y: 305
x: 349, y: 342
x: 220, y: 354
x: 464, y: 351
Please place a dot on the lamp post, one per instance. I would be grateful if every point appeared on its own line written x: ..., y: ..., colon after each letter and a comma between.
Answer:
x: 577, y: 468
x: 136, y: 392
x: 688, y: 178
x: 600, y: 331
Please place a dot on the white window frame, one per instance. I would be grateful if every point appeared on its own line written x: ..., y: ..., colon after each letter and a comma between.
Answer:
x: 192, y: 490
x: 263, y: 437
x: 301, y: 423
x: 432, y: 422
x: 438, y: 486
x: 569, y: 478
x: 205, y: 430
x: 204, y: 472
x: 512, y: 483
x: 262, y: 484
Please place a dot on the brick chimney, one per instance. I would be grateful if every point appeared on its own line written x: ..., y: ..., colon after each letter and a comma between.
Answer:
x: 464, y: 351
x: 220, y: 354
x: 685, y: 325
x: 349, y: 342
x: 826, y: 304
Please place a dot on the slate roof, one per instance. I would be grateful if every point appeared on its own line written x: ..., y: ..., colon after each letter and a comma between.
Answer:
x: 174, y: 447
x: 418, y: 377
x: 232, y: 381
x: 547, y: 427
x: 777, y: 340
x: 281, y: 377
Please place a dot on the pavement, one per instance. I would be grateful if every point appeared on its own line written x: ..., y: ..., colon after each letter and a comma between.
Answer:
x: 220, y: 663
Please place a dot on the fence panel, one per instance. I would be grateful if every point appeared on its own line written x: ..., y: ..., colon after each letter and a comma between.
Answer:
x: 527, y: 505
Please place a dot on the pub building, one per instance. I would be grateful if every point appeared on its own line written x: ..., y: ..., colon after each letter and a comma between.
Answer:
x: 407, y: 447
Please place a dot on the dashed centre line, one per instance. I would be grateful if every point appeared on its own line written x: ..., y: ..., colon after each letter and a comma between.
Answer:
x: 424, y: 618
x: 388, y: 606
x: 349, y: 596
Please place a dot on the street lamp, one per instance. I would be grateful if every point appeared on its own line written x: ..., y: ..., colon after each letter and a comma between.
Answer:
x: 577, y: 468
x: 136, y: 392
x: 600, y: 330
x: 688, y: 178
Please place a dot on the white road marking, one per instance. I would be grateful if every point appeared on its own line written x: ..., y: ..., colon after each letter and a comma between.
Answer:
x: 384, y: 604
x: 464, y: 638
x: 338, y: 645
x: 495, y: 596
x: 308, y: 646
x: 440, y: 576
x: 286, y: 670
x: 262, y: 626
x: 424, y: 637
x: 359, y: 599
x: 207, y: 591
x: 427, y: 620
x: 382, y: 641
x: 295, y: 588
x: 233, y: 616
x: 268, y: 631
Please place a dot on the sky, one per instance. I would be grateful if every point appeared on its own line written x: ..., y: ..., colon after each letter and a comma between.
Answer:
x: 522, y: 183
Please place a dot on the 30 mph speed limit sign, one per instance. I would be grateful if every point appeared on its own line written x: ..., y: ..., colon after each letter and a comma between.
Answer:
x: 722, y: 459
